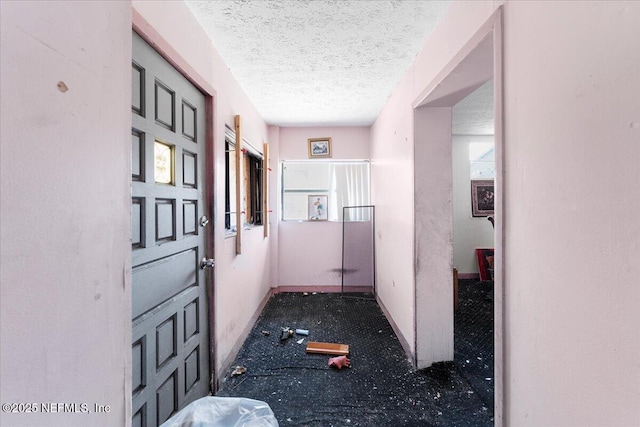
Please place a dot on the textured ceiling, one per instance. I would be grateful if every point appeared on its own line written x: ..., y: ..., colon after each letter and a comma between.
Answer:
x: 474, y: 114
x: 318, y: 62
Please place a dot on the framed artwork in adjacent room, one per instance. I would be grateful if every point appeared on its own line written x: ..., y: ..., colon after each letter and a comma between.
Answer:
x: 482, y: 197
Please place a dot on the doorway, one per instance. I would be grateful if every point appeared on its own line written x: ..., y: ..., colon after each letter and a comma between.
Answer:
x: 479, y: 61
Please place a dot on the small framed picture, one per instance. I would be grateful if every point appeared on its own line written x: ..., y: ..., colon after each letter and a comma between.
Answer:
x: 319, y: 147
x: 482, y: 197
x: 317, y: 208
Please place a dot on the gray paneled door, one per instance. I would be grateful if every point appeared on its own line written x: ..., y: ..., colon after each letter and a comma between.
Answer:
x: 169, y: 290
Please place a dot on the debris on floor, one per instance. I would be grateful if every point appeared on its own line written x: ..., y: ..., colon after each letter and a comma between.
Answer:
x: 238, y: 370
x: 302, y: 332
x: 381, y: 387
x: 266, y: 333
x: 300, y: 341
x: 339, y: 362
x: 286, y: 333
x: 327, y: 348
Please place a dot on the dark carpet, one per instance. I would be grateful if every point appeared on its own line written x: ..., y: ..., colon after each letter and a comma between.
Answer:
x: 380, y: 388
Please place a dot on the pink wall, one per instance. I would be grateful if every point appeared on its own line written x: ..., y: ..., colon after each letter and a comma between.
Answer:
x: 310, y: 253
x: 241, y: 281
x: 65, y: 208
x: 346, y: 142
x: 571, y: 326
x: 392, y: 153
x: 433, y: 236
x: 572, y: 234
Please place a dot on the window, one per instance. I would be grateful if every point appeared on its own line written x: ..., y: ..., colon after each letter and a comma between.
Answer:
x: 343, y: 183
x: 230, y: 183
x: 163, y: 163
x: 253, y: 188
x: 482, y: 160
x: 247, y: 195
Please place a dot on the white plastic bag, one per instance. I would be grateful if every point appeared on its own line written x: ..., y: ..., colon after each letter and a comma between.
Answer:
x: 223, y: 412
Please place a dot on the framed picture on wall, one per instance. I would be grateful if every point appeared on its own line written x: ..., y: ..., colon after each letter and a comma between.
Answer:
x: 482, y: 197
x: 317, y: 208
x: 319, y: 147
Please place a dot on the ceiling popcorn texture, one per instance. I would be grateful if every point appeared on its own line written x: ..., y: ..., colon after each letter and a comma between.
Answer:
x: 474, y: 114
x: 322, y: 62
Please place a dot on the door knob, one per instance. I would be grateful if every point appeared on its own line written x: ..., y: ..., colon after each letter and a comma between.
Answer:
x: 207, y: 263
x: 204, y: 221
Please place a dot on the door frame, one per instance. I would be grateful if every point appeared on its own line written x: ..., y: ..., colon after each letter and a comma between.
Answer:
x: 480, y: 57
x: 144, y: 29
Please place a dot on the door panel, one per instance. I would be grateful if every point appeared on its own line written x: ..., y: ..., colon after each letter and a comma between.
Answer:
x: 170, y: 347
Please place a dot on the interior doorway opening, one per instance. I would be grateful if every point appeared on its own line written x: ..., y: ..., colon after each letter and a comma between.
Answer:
x: 477, y: 63
x: 473, y: 167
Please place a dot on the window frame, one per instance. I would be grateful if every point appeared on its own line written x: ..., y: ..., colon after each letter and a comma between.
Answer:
x: 253, y: 166
x: 230, y: 206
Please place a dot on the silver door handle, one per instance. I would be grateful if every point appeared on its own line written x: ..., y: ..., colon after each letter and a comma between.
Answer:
x: 204, y: 221
x: 207, y: 263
